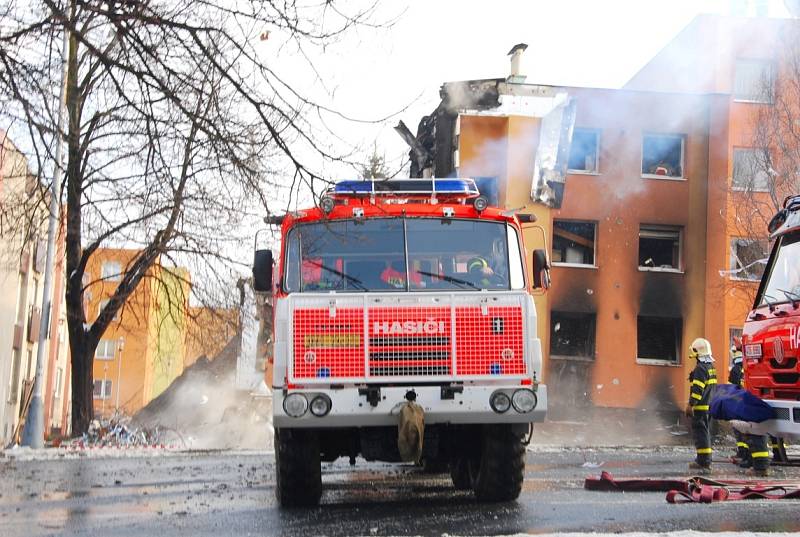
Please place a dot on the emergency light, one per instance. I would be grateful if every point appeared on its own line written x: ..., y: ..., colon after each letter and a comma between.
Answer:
x: 428, y: 187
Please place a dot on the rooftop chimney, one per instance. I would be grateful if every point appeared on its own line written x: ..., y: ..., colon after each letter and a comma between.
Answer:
x: 516, y: 77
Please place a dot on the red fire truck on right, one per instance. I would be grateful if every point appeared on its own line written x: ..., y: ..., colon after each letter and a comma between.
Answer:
x: 771, y: 336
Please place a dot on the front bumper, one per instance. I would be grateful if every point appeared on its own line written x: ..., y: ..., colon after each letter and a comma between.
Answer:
x: 349, y: 409
x: 785, y: 425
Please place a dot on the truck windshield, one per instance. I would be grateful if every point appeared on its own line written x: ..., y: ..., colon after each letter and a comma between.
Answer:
x: 783, y: 275
x: 392, y: 254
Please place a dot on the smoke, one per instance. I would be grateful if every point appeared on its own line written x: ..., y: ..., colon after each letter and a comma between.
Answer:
x: 203, y: 409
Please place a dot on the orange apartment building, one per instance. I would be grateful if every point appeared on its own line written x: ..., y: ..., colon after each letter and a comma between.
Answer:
x: 144, y: 348
x: 644, y: 245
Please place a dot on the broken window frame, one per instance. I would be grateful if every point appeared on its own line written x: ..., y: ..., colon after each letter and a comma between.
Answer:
x: 594, y: 244
x: 659, y: 231
x: 677, y: 329
x: 764, y: 93
x: 736, y: 263
x: 749, y: 157
x: 681, y: 164
x: 596, y: 134
x: 588, y: 346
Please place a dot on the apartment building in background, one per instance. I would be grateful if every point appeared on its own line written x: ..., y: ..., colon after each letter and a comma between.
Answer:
x: 144, y: 348
x: 644, y: 242
x: 22, y: 264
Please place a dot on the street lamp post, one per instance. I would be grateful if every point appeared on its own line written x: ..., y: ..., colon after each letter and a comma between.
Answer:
x: 120, y: 345
x: 103, y: 393
x: 33, y: 433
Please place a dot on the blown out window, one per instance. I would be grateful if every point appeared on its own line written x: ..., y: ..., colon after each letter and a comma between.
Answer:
x: 748, y: 258
x: 662, y: 155
x: 658, y: 338
x: 583, y: 153
x: 659, y: 247
x: 573, y: 242
x: 572, y: 334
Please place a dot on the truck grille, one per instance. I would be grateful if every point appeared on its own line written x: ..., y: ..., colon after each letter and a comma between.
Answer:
x: 788, y: 363
x: 448, y: 339
x: 785, y: 378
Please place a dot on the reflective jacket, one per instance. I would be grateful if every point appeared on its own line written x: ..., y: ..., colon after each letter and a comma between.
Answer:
x: 736, y: 374
x: 702, y: 380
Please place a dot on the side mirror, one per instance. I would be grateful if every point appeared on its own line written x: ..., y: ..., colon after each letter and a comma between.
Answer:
x: 262, y: 271
x: 541, y: 270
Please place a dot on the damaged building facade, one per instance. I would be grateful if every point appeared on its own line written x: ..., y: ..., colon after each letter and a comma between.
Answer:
x: 638, y: 208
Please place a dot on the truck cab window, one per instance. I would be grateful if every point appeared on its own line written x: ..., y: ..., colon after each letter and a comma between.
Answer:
x: 443, y: 254
x: 783, y: 280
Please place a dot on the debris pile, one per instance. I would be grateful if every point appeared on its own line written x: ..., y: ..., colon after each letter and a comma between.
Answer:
x: 117, y: 432
x: 202, y: 408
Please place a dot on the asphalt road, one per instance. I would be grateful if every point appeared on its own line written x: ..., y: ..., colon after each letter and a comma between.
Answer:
x: 229, y: 493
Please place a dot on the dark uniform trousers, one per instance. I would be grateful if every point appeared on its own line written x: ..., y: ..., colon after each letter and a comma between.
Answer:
x: 759, y: 452
x: 736, y: 376
x: 702, y: 379
x: 701, y: 430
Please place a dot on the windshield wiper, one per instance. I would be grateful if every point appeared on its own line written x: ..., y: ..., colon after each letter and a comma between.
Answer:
x: 355, y: 281
x: 791, y: 295
x: 770, y: 304
x: 450, y: 279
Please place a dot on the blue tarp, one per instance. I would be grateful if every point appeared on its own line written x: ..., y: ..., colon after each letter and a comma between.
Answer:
x: 730, y: 402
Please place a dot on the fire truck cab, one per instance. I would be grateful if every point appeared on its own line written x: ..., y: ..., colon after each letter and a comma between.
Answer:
x: 771, y: 335
x: 396, y: 290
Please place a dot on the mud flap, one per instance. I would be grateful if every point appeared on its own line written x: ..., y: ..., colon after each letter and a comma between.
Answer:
x: 410, y: 431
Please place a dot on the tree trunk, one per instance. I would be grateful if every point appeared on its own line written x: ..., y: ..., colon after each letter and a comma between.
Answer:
x: 81, y: 346
x: 82, y: 391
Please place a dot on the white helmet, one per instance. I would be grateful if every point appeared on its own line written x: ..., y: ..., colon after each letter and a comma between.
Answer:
x: 700, y: 347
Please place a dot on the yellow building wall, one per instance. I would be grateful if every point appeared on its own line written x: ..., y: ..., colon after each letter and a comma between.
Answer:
x: 152, y: 327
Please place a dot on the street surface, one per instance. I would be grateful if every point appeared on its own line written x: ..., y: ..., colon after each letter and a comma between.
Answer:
x: 232, y: 493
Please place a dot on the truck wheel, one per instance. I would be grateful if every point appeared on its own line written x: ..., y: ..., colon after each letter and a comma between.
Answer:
x: 498, y: 476
x: 459, y: 473
x: 297, y: 468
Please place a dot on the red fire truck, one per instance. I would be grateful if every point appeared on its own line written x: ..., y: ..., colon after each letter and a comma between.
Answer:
x: 771, y: 336
x: 396, y: 290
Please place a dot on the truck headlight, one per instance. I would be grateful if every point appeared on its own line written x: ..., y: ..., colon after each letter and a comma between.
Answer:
x: 524, y: 401
x: 320, y: 405
x: 500, y: 402
x: 295, y: 405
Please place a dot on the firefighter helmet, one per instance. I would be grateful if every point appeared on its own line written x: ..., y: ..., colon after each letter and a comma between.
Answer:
x: 477, y: 264
x: 700, y: 347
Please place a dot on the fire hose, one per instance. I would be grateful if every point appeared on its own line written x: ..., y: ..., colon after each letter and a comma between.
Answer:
x: 699, y: 489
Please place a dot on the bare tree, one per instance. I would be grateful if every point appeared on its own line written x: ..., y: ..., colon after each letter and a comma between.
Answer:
x: 768, y: 171
x: 178, y: 130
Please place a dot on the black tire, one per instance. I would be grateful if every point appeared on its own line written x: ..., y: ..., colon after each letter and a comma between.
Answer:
x: 298, y: 473
x: 498, y: 475
x: 459, y: 473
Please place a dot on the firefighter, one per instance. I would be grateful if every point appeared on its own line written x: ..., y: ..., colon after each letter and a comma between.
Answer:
x: 736, y: 377
x: 759, y: 454
x: 397, y: 279
x: 702, y: 380
x: 479, y: 271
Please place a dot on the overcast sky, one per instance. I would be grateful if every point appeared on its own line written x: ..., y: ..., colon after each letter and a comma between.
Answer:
x: 598, y: 43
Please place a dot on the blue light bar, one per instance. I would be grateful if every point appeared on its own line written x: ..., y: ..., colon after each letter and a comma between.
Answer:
x: 464, y: 187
